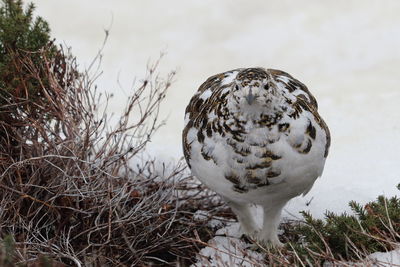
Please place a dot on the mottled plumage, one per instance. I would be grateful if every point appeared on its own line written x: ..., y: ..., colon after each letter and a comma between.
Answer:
x: 254, y: 135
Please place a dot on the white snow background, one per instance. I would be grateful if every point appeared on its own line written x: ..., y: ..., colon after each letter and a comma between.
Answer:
x: 346, y: 52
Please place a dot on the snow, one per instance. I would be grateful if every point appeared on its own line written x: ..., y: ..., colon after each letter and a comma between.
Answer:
x: 391, y: 258
x: 377, y: 259
x: 226, y: 249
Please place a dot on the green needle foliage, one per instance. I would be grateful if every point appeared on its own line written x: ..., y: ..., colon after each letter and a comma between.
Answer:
x: 371, y: 228
x: 7, y: 251
x: 27, y: 56
x: 21, y: 35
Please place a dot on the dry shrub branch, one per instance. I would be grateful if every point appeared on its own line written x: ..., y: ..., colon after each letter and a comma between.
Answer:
x: 68, y: 189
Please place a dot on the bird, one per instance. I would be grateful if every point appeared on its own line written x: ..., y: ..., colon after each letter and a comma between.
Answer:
x: 255, y: 137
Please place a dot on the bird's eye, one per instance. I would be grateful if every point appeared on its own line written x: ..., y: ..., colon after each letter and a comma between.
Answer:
x: 266, y: 86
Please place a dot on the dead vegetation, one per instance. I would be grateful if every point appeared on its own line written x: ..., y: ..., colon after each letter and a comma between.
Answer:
x: 76, y: 189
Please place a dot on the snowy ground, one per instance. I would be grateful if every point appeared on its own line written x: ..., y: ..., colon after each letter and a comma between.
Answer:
x: 347, y: 52
x: 227, y: 249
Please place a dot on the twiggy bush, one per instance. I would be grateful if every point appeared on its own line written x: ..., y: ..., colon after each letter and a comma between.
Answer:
x: 72, y: 193
x: 73, y: 187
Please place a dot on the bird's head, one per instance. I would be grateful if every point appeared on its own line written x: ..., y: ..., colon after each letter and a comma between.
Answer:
x: 254, y: 91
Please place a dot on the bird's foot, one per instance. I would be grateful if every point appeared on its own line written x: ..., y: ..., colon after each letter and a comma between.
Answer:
x: 250, y: 233
x: 271, y: 244
x: 258, y: 244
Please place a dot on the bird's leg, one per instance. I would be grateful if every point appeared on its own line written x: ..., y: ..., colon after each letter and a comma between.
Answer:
x: 269, y: 232
x: 245, y: 218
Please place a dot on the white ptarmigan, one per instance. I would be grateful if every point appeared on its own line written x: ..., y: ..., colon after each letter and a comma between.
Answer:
x: 254, y: 136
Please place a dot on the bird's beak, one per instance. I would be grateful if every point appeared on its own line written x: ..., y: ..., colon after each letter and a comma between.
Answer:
x: 250, y: 97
